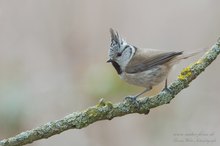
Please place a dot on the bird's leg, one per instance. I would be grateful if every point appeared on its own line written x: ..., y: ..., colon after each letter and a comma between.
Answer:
x: 147, y: 89
x: 165, y: 87
x: 133, y: 98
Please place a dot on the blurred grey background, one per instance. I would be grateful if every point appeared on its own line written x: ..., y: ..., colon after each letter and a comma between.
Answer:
x: 53, y: 62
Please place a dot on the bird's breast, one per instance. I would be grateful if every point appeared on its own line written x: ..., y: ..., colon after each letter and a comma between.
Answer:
x: 147, y: 78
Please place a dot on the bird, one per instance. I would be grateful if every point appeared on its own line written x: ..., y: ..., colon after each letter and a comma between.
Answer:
x: 143, y: 67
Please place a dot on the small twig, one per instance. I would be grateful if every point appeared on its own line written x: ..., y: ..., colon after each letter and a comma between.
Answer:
x: 107, y: 111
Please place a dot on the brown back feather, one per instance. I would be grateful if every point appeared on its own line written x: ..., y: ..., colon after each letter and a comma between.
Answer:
x: 146, y: 60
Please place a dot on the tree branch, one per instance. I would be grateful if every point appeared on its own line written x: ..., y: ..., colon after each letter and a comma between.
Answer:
x: 107, y: 111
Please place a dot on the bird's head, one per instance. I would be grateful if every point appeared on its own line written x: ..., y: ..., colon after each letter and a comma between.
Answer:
x: 120, y: 51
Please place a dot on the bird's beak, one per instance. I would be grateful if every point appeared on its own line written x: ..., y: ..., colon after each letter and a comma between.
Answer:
x: 110, y: 60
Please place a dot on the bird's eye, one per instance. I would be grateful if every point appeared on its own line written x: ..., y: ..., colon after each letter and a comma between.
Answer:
x: 118, y: 54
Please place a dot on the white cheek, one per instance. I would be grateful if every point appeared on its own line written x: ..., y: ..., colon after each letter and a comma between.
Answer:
x: 124, y: 59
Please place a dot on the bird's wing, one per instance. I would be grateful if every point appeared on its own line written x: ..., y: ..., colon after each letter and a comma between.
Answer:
x: 145, y: 60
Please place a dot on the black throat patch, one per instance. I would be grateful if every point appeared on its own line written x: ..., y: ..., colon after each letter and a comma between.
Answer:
x: 117, y: 67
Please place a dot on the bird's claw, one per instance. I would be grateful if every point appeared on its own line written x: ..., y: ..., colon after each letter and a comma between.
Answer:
x: 167, y: 90
x: 132, y: 99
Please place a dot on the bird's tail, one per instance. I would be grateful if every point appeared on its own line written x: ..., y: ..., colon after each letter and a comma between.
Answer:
x: 188, y: 54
